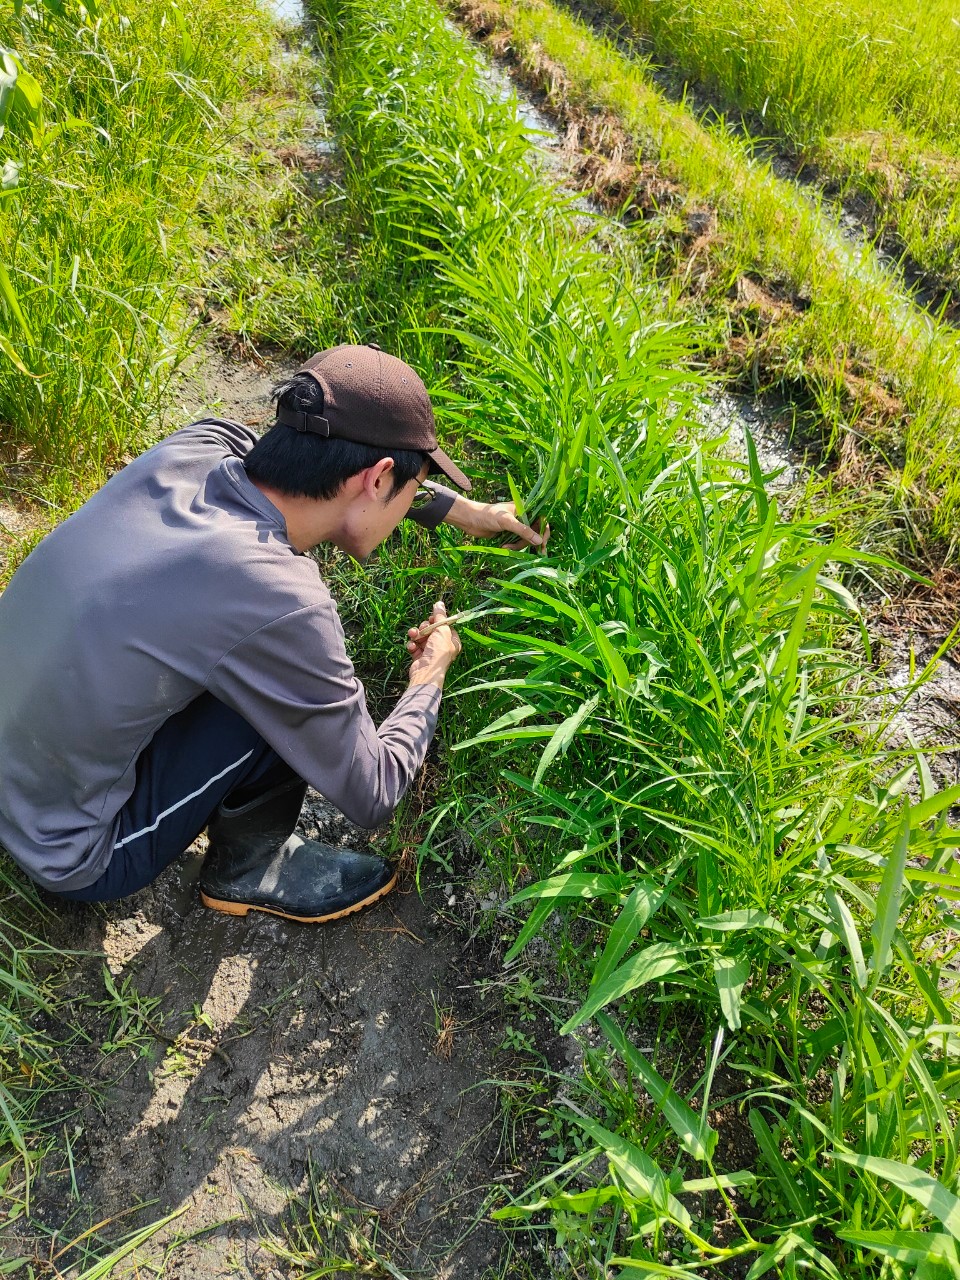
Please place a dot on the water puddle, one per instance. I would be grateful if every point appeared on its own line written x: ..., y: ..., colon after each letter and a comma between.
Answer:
x: 286, y: 11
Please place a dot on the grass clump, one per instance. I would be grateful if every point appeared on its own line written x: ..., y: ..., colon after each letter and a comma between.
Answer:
x: 666, y: 726
x: 130, y: 109
x: 869, y: 95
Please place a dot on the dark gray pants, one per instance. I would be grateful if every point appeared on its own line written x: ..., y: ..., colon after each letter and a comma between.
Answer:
x: 197, y: 758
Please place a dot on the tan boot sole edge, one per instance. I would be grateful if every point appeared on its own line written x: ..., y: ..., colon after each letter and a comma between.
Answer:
x: 242, y: 908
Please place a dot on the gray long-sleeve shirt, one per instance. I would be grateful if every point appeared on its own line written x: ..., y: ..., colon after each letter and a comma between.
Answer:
x: 174, y: 579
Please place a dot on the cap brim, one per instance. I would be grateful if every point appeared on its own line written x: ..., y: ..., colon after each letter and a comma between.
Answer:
x: 440, y: 462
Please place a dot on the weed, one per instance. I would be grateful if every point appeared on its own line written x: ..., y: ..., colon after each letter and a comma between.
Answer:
x: 132, y: 1016
x: 328, y: 1234
x: 839, y: 311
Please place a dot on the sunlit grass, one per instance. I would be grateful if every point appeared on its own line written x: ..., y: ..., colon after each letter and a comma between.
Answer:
x: 855, y: 316
x: 664, y: 723
x: 870, y: 93
x: 136, y: 111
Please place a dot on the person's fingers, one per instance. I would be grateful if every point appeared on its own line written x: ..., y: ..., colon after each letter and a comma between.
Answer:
x: 528, y: 535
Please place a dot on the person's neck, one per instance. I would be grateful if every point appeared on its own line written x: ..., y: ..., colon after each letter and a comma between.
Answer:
x: 309, y: 521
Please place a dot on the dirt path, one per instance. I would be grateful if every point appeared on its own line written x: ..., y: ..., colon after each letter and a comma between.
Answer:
x: 345, y: 1064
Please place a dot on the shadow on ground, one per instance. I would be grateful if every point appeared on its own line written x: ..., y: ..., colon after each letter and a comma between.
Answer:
x: 353, y: 1054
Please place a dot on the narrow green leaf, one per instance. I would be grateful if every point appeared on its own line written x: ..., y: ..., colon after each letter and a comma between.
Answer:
x: 532, y: 927
x: 729, y: 921
x: 644, y: 900
x: 654, y: 962
x: 903, y: 1246
x: 644, y: 1179
x: 106, y: 1266
x: 564, y: 735
x: 788, y: 1243
x: 643, y: 1267
x: 930, y: 1194
x: 697, y: 1138
x: 573, y: 884
x: 730, y: 974
x: 793, y: 1190
x: 847, y: 931
x: 888, y: 902
x: 10, y: 352
x: 516, y: 495
x: 927, y: 809
x: 13, y: 302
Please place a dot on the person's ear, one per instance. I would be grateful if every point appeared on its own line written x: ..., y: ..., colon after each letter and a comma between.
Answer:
x: 378, y: 480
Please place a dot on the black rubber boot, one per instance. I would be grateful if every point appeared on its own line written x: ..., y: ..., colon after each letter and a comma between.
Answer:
x: 255, y: 861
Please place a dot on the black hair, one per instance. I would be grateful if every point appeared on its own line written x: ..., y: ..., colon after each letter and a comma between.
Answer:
x: 303, y: 465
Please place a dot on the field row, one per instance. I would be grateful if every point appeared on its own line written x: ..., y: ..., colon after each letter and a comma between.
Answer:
x: 780, y: 298
x: 869, y: 95
x: 667, y: 740
x: 657, y: 726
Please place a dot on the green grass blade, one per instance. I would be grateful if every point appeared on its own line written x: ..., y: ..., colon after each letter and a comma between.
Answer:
x: 697, y: 1138
x: 644, y: 900
x: 928, y: 1192
x: 644, y: 1178
x: 654, y: 962
x: 564, y: 735
x: 730, y: 974
x: 888, y: 903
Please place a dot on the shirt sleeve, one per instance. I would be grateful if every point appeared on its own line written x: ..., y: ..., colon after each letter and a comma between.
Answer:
x: 434, y: 512
x: 292, y: 680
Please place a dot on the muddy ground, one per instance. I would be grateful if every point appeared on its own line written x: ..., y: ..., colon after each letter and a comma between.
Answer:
x: 251, y: 1062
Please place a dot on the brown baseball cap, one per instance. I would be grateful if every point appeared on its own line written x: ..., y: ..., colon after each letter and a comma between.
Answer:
x: 372, y: 398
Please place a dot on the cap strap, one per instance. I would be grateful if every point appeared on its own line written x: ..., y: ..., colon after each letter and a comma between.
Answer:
x: 302, y: 421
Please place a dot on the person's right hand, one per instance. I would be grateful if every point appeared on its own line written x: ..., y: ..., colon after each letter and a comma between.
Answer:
x: 433, y: 653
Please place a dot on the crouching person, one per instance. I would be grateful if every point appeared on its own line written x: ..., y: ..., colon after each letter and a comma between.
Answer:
x: 172, y: 660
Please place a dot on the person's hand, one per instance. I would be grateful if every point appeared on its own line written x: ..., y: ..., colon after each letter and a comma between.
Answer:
x: 433, y: 652
x: 487, y: 519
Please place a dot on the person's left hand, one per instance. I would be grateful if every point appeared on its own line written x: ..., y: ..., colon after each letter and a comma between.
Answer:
x: 487, y: 519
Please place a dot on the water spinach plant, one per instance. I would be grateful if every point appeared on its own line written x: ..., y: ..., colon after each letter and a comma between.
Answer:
x: 670, y: 739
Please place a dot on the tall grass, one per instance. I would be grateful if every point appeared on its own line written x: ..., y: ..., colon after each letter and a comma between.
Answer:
x: 135, y: 108
x: 822, y: 67
x: 665, y: 719
x: 857, y: 317
x: 869, y: 93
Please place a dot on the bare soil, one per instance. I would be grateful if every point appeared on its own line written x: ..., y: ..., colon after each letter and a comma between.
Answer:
x: 350, y: 1063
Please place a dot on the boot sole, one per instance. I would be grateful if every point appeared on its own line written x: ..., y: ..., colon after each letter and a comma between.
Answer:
x: 242, y: 908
